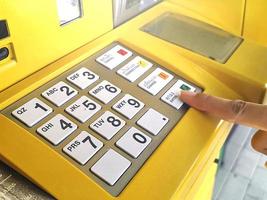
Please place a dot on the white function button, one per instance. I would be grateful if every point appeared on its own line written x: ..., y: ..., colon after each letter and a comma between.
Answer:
x: 83, y: 147
x: 32, y: 112
x: 135, y: 68
x: 59, y: 93
x: 171, y: 96
x: 105, y: 91
x: 156, y: 81
x: 83, y: 78
x: 114, y: 57
x: 57, y: 129
x: 128, y: 106
x: 107, y: 125
x: 83, y: 109
x: 111, y: 167
x: 152, y: 121
x: 133, y: 142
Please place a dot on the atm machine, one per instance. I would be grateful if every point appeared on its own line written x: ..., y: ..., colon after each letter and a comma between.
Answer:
x: 89, y: 106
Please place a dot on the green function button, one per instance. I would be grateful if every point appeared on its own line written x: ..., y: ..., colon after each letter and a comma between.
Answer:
x: 185, y: 87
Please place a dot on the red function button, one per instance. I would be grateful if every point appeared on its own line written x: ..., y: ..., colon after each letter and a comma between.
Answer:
x: 122, y: 52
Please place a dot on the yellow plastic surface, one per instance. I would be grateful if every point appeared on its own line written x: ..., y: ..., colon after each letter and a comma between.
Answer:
x: 38, y: 39
x: 255, y: 28
x: 227, y: 14
x: 178, y: 167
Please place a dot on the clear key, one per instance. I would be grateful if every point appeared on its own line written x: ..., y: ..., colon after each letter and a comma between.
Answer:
x: 32, y: 112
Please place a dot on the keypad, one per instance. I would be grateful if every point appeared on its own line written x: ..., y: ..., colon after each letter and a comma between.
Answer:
x: 106, y: 115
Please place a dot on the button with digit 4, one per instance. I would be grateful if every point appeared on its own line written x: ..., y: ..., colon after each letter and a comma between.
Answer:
x: 156, y: 81
x: 152, y: 121
x: 57, y: 129
x: 128, y: 106
x: 111, y: 166
x: 171, y: 96
x: 83, y: 78
x: 59, y: 93
x: 32, y: 112
x: 133, y: 142
x: 83, y: 147
x: 107, y: 125
x: 114, y: 57
x: 83, y: 109
x: 105, y: 91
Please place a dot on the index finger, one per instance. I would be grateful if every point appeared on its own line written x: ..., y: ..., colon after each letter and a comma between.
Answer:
x: 237, y: 111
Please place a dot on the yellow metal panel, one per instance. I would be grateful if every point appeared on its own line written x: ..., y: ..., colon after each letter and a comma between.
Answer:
x: 167, y: 169
x: 255, y: 28
x: 227, y: 14
x: 177, y: 168
x: 38, y: 39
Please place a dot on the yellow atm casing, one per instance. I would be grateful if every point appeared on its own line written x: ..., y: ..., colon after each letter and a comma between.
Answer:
x: 176, y: 169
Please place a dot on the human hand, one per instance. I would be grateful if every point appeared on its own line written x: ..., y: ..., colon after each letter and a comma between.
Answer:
x: 237, y: 111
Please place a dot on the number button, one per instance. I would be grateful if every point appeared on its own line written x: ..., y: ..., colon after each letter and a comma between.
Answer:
x: 83, y: 147
x: 59, y: 93
x: 83, y: 109
x: 128, y: 106
x: 171, y: 96
x: 83, y: 78
x: 32, y: 112
x: 107, y: 125
x: 105, y: 91
x: 153, y: 121
x: 111, y: 166
x: 57, y: 129
x: 133, y: 142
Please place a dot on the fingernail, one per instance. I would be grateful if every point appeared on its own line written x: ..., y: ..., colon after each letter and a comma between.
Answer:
x: 187, y: 93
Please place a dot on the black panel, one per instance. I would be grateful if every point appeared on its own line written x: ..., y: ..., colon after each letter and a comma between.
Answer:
x: 3, y: 29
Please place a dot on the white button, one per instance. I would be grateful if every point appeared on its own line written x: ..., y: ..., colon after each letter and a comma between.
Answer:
x: 107, y: 125
x: 83, y: 78
x: 83, y: 147
x: 114, y: 57
x: 111, y: 167
x: 135, y: 68
x: 83, y: 109
x: 128, y: 106
x: 105, y: 91
x: 157, y: 80
x: 152, y: 121
x: 57, y: 129
x: 32, y: 112
x: 59, y: 93
x: 133, y: 142
x: 171, y: 96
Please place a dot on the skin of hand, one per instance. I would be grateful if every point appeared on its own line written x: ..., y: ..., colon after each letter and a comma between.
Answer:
x: 236, y: 111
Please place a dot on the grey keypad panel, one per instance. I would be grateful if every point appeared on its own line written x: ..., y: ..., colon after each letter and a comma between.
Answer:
x: 107, y: 114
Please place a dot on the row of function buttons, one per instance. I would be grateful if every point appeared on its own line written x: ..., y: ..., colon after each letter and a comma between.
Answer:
x: 133, y: 142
